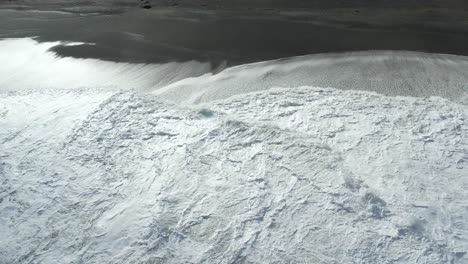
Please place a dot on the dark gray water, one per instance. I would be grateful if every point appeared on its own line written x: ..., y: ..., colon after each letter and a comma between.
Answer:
x: 148, y: 38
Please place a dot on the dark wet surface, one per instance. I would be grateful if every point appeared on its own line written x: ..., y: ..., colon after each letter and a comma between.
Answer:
x: 147, y: 38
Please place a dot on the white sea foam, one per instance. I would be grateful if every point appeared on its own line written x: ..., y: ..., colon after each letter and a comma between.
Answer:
x: 251, y: 173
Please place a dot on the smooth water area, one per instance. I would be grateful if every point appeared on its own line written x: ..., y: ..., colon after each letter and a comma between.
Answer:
x: 146, y: 37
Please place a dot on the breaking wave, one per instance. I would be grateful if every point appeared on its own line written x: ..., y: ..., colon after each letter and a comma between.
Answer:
x: 29, y: 65
x: 231, y: 169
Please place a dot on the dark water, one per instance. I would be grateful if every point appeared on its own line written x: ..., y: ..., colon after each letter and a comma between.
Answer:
x: 145, y: 37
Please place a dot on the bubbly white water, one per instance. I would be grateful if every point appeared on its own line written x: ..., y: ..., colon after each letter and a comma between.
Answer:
x: 238, y: 172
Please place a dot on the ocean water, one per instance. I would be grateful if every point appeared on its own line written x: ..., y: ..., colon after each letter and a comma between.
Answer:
x: 357, y: 157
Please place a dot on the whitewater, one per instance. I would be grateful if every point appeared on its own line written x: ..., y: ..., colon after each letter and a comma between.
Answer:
x: 334, y: 158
